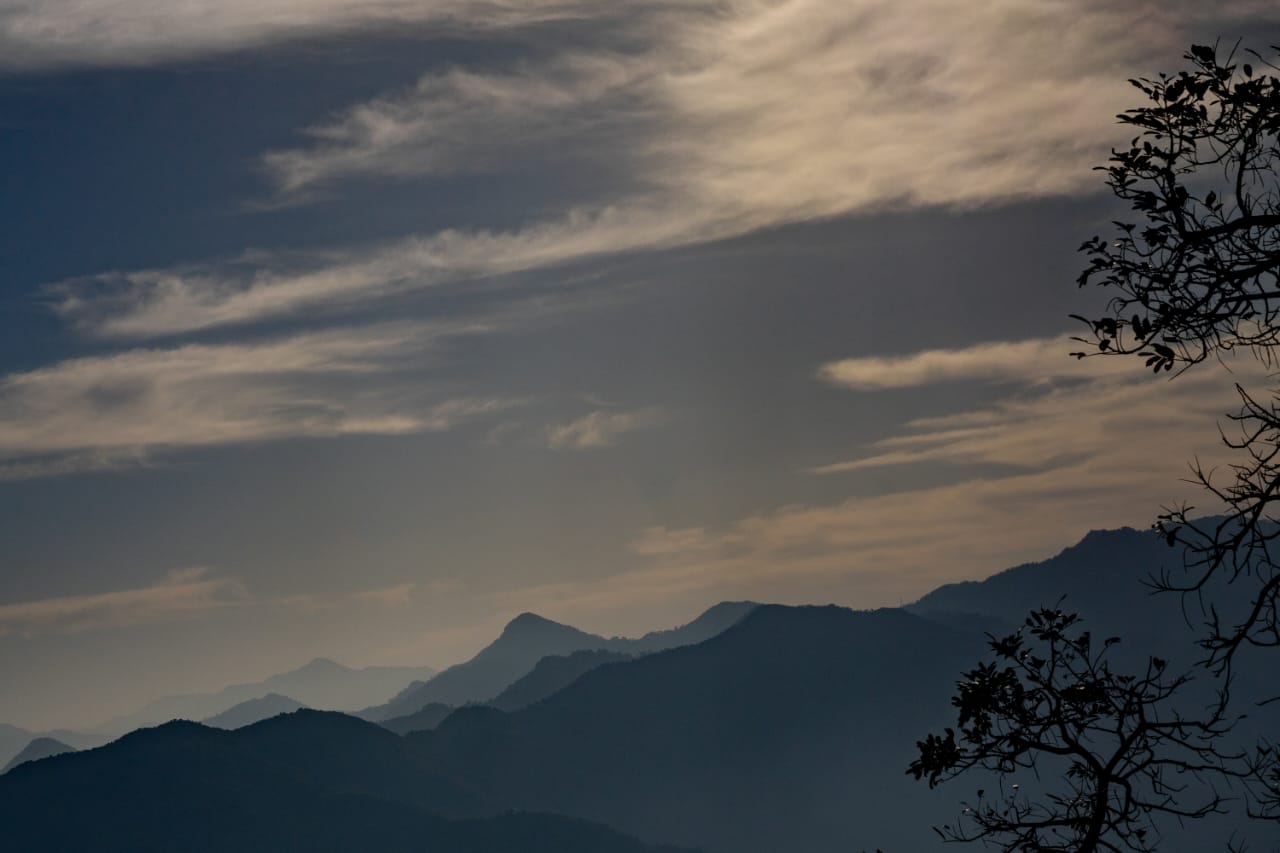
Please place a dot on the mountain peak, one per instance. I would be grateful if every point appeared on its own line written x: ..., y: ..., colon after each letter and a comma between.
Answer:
x: 321, y: 665
x: 41, y: 747
x: 526, y: 622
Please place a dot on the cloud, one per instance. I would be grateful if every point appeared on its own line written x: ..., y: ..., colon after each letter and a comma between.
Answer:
x: 154, y: 303
x: 728, y: 118
x: 1013, y: 480
x: 601, y: 428
x: 463, y: 121
x: 1032, y: 361
x: 106, y: 411
x: 1065, y: 409
x: 38, y: 34
x: 191, y: 592
x: 182, y: 593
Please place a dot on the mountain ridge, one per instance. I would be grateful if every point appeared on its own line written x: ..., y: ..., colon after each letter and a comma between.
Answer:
x: 527, y: 639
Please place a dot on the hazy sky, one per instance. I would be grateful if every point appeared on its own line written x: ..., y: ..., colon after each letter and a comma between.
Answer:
x: 356, y: 328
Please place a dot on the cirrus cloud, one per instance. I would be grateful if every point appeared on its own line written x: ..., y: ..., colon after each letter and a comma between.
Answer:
x: 730, y: 118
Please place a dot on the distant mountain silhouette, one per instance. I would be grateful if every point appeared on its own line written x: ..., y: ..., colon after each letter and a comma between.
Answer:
x: 714, y: 620
x: 307, y: 782
x: 526, y: 640
x: 789, y: 731
x: 253, y: 711
x: 427, y: 717
x: 322, y: 683
x: 41, y: 747
x: 14, y: 739
x: 1104, y: 578
x: 551, y: 675
x: 1101, y: 576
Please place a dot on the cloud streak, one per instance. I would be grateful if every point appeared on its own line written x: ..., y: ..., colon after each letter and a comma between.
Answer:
x: 105, y: 411
x: 601, y: 428
x: 1017, y: 479
x: 185, y: 594
x: 731, y: 117
x: 37, y: 34
x: 1035, y: 361
x: 181, y: 594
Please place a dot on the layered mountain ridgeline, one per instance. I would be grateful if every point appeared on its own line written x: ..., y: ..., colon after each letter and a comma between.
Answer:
x: 759, y: 739
x: 41, y: 747
x: 791, y: 730
x: 1107, y: 579
x: 528, y: 639
x: 549, y: 675
x: 1102, y: 577
x: 427, y: 717
x: 253, y: 711
x: 308, y: 781
x: 322, y: 683
x: 13, y: 740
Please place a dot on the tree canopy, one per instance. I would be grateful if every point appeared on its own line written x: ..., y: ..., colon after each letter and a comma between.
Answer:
x: 1191, y: 274
x: 1195, y: 273
x: 1115, y: 747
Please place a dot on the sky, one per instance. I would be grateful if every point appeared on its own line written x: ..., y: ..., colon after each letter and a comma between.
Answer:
x: 355, y: 329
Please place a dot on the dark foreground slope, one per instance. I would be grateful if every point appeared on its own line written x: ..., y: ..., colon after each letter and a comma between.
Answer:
x: 308, y: 781
x: 789, y: 731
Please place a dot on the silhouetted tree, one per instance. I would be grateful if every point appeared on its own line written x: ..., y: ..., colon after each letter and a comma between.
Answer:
x: 1113, y: 748
x: 1194, y: 274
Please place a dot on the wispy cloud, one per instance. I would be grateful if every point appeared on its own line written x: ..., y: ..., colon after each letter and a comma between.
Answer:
x: 463, y: 121
x: 43, y: 33
x: 601, y: 428
x: 190, y: 593
x: 182, y: 593
x: 1031, y: 361
x: 105, y: 411
x: 732, y: 117
x: 1016, y: 479
x: 154, y: 303
x: 1058, y: 409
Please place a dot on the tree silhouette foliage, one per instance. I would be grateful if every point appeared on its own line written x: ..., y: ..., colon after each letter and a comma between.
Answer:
x: 1191, y: 275
x: 1117, y: 754
x: 1194, y: 274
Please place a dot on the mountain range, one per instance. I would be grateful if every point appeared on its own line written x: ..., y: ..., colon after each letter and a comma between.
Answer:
x: 789, y: 728
x: 253, y: 711
x: 41, y: 747
x: 322, y: 683
x: 14, y: 740
x: 310, y: 781
x: 528, y: 639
